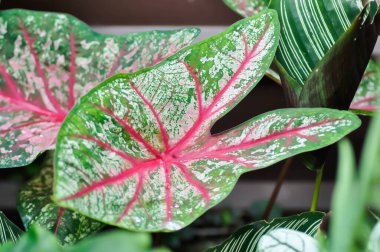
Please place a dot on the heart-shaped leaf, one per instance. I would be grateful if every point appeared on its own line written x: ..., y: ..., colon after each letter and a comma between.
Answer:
x: 137, y: 152
x: 9, y: 232
x: 248, y: 237
x: 283, y: 240
x: 48, y: 61
x: 35, y: 207
x: 367, y: 97
x: 247, y: 8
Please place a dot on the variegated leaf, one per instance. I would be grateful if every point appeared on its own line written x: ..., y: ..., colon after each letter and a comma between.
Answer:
x: 248, y: 237
x: 309, y: 29
x: 374, y: 240
x: 247, y: 8
x: 285, y: 240
x: 48, y: 61
x: 137, y: 152
x: 35, y: 207
x: 9, y: 232
x: 367, y: 98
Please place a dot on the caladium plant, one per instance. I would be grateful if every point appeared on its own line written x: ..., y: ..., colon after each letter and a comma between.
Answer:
x: 136, y: 151
x: 35, y: 207
x: 247, y: 8
x: 49, y: 60
x: 366, y: 100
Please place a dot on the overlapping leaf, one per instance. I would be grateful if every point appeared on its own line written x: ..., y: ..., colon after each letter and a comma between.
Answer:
x: 35, y: 207
x: 247, y: 8
x: 48, y: 61
x: 38, y: 239
x: 283, y: 240
x: 367, y: 97
x: 9, y: 232
x: 137, y: 152
x: 312, y: 55
x: 374, y: 240
x: 248, y: 237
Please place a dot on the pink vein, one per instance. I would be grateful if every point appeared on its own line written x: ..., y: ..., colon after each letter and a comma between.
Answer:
x: 265, y: 139
x: 20, y: 126
x: 137, y: 169
x: 72, y: 71
x: 200, y: 119
x: 194, y: 182
x: 40, y: 72
x: 59, y: 220
x: 132, y: 132
x: 133, y: 200
x: 117, y: 61
x: 107, y: 147
x: 368, y: 99
x: 198, y: 87
x: 164, y: 134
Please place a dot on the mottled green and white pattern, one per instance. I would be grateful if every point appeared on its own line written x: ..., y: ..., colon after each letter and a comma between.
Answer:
x: 248, y: 237
x: 247, y: 8
x: 137, y: 152
x: 374, y: 239
x: 286, y: 240
x: 9, y: 232
x: 367, y: 97
x: 309, y: 29
x: 35, y: 207
x: 49, y: 60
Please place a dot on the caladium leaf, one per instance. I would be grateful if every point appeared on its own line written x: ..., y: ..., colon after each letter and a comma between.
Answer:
x: 36, y: 207
x: 9, y: 232
x: 247, y: 8
x: 50, y: 60
x: 367, y: 97
x: 283, y: 240
x: 137, y: 152
x: 248, y: 237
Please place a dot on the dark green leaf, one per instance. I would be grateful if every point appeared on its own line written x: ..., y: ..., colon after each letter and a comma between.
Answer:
x: 9, y: 232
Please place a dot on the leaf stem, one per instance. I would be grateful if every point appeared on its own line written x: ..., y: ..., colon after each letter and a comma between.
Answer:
x: 277, y: 188
x: 317, y: 187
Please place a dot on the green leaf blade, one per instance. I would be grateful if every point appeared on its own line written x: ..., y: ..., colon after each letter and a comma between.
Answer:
x: 247, y: 8
x: 9, y: 232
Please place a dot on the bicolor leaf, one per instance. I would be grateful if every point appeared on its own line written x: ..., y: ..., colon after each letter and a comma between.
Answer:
x: 248, y: 237
x: 137, y: 152
x: 284, y: 240
x: 312, y: 55
x: 9, y: 232
x: 367, y: 97
x: 247, y: 8
x: 35, y: 207
x: 374, y: 239
x: 49, y: 60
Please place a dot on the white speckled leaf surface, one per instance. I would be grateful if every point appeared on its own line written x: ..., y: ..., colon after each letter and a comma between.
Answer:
x: 137, y: 152
x: 49, y: 60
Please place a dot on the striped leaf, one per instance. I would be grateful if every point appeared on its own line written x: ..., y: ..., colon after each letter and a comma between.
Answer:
x: 9, y: 232
x: 248, y: 237
x: 50, y: 60
x: 35, y: 207
x: 367, y: 97
x: 247, y: 8
x: 313, y: 56
x: 374, y: 240
x: 285, y: 240
x: 137, y: 152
